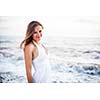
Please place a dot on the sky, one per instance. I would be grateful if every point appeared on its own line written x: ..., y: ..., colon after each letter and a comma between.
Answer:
x: 69, y: 26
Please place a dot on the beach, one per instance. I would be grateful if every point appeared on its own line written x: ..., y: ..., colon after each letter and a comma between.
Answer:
x: 72, y: 59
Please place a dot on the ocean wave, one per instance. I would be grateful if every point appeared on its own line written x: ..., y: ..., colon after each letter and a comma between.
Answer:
x: 81, y: 68
x: 5, y: 41
x: 9, y: 77
x: 92, y: 51
x: 92, y: 69
x: 6, y: 54
x: 93, y: 54
x: 69, y: 71
x: 5, y: 48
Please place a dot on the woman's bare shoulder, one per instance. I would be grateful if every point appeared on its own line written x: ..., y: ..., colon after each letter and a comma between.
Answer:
x: 29, y: 47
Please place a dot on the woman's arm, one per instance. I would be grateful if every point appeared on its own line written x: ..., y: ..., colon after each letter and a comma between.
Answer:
x: 28, y: 62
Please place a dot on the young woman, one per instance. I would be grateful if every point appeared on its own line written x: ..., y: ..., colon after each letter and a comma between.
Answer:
x: 35, y: 55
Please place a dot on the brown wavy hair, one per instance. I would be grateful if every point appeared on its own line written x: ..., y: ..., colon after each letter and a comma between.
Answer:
x: 30, y: 32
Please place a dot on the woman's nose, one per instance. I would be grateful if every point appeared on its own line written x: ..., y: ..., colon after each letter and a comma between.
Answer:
x: 39, y: 34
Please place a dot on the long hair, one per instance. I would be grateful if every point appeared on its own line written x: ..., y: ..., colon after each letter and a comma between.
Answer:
x: 30, y: 32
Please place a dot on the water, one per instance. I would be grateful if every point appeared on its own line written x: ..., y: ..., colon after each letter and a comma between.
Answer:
x: 73, y: 60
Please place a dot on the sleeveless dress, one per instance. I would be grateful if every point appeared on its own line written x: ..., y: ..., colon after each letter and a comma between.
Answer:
x: 41, y: 65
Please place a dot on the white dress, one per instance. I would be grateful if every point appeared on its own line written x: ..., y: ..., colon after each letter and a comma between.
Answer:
x: 41, y: 65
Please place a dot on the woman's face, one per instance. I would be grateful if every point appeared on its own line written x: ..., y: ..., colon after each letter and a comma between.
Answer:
x: 37, y: 33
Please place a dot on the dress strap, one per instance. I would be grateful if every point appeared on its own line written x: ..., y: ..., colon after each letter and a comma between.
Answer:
x: 41, y: 45
x: 35, y: 43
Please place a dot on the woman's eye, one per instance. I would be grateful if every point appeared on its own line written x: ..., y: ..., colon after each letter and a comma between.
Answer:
x: 40, y: 31
x: 35, y: 32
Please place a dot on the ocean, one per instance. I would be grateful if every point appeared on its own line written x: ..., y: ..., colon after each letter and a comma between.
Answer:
x: 72, y: 59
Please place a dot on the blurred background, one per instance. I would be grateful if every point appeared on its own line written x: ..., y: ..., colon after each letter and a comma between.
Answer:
x: 76, y: 40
